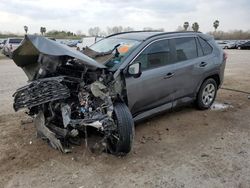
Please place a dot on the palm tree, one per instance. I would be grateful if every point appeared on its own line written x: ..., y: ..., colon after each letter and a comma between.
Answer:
x: 25, y: 29
x: 43, y: 30
x: 195, y: 26
x: 186, y: 25
x: 216, y: 24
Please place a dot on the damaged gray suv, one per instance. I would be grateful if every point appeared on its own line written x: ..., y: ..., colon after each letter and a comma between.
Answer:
x: 121, y: 79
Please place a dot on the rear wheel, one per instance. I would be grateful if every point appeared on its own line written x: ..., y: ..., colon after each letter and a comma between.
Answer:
x: 120, y: 141
x: 207, y: 94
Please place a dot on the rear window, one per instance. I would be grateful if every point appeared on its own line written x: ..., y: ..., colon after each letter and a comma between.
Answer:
x: 206, y: 48
x: 185, y: 48
x: 15, y: 41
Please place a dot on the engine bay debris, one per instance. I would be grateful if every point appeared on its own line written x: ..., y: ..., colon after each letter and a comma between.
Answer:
x: 67, y: 93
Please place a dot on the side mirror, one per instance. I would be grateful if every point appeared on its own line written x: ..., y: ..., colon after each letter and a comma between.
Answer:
x: 135, y: 70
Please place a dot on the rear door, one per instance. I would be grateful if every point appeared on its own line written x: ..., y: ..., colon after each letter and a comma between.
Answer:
x: 154, y: 87
x: 191, y: 65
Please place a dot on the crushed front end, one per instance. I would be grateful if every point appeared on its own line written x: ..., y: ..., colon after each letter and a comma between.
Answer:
x: 68, y: 92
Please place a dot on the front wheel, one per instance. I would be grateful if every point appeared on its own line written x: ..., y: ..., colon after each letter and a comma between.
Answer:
x: 120, y: 141
x: 207, y: 94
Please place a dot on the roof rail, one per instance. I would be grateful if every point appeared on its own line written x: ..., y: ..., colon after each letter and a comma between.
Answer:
x: 173, y: 32
x: 139, y: 31
x: 158, y: 34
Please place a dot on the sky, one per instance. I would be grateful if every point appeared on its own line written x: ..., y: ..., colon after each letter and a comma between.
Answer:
x: 80, y: 15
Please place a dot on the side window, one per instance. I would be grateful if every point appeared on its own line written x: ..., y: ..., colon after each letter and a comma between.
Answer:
x: 155, y: 55
x: 185, y: 48
x: 206, y: 48
x: 199, y: 48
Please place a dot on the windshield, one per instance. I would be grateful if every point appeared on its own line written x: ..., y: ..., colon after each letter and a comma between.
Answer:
x: 121, y: 48
x: 15, y: 41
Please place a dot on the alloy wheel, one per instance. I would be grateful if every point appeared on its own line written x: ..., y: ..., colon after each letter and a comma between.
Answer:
x: 208, y: 94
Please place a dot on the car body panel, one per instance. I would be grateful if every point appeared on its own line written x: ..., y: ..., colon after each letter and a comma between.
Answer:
x: 143, y: 92
x: 27, y: 54
x: 182, y: 87
x: 46, y: 46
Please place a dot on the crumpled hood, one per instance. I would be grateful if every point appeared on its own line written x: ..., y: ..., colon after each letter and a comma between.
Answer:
x: 34, y: 45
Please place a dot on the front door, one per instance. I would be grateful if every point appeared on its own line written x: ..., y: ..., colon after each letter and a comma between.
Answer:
x: 155, y: 85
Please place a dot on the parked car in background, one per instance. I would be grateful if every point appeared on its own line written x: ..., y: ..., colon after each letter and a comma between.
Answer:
x: 87, y: 41
x: 72, y: 43
x: 245, y: 45
x: 52, y: 38
x: 68, y: 42
x: 10, y: 45
x: 227, y: 44
x: 239, y: 42
x: 2, y: 43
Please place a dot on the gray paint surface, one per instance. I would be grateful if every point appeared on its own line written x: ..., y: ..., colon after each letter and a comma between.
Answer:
x: 152, y: 90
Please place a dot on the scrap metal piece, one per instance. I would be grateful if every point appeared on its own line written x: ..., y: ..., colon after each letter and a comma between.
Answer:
x: 26, y: 121
x: 100, y: 57
x: 43, y: 130
x: 73, y: 133
x: 60, y: 132
x: 96, y: 124
x: 100, y: 90
x: 66, y: 112
x: 97, y: 89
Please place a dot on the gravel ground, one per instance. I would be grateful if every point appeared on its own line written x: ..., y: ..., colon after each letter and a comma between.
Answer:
x: 183, y: 148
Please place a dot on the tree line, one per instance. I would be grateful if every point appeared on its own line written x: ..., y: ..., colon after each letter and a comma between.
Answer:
x: 97, y: 31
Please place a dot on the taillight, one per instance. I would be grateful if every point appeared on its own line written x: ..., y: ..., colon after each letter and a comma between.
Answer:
x: 225, y: 56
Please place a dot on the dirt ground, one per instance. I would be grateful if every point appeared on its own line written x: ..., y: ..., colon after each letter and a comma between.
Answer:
x: 184, y: 148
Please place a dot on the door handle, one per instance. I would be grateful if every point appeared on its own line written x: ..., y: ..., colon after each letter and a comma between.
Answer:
x: 203, y: 64
x: 168, y: 75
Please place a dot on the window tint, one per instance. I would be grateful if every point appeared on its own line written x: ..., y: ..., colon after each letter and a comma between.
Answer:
x: 155, y: 55
x: 185, y: 48
x: 206, y: 48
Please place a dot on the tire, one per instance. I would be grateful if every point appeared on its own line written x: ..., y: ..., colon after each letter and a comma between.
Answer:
x: 125, y: 131
x: 206, y: 94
